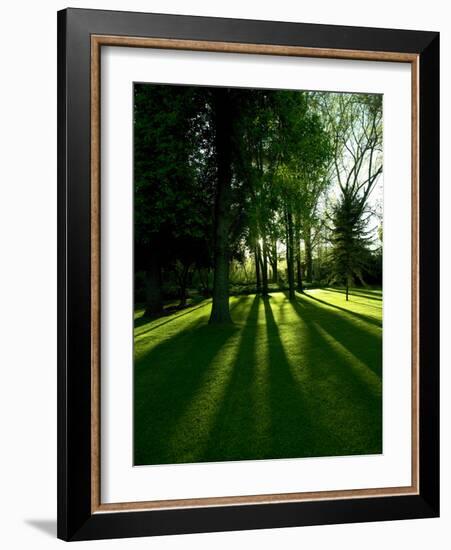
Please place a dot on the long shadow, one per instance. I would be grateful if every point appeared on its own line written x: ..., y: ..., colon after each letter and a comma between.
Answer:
x: 236, y: 306
x: 357, y: 294
x: 377, y: 307
x: 350, y: 406
x: 325, y: 410
x: 359, y: 316
x: 346, y: 403
x: 333, y: 413
x: 365, y: 345
x: 294, y: 432
x: 232, y: 434
x: 166, y: 380
x: 141, y: 321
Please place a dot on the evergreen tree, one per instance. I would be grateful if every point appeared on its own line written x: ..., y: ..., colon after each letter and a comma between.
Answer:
x: 350, y: 240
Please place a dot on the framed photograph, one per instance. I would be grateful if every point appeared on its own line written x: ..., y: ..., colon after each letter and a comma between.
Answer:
x: 248, y: 274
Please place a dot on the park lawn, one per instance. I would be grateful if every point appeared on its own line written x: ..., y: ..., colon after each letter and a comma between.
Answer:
x: 287, y: 379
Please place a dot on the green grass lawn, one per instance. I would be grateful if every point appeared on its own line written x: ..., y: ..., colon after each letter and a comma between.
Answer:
x: 287, y: 379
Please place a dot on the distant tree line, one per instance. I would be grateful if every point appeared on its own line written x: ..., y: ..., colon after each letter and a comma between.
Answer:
x: 255, y: 178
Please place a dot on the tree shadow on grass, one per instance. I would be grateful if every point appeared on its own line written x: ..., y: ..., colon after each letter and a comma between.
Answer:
x: 166, y: 380
x: 360, y: 316
x: 164, y: 319
x: 293, y: 431
x: 332, y: 413
x: 357, y: 293
x: 232, y: 434
x: 346, y: 399
x: 263, y: 413
x: 365, y: 345
x: 260, y: 401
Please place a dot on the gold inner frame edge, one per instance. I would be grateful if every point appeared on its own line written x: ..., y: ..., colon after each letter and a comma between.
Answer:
x: 97, y: 41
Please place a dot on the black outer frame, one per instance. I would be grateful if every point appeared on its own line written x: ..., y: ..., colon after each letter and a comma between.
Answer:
x: 75, y: 520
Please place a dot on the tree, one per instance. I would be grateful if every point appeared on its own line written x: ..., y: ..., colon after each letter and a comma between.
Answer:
x: 173, y: 191
x: 350, y: 240
x: 223, y: 123
x: 315, y: 186
x: 254, y: 165
x: 224, y: 175
x: 304, y: 151
x: 355, y: 122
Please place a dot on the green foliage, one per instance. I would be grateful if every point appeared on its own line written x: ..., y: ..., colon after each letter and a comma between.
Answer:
x: 350, y: 239
x: 354, y: 122
x: 291, y: 151
x: 174, y: 188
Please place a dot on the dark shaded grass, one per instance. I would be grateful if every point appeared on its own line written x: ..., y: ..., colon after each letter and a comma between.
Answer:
x: 362, y: 341
x: 171, y: 314
x: 232, y: 436
x: 358, y: 292
x: 366, y: 318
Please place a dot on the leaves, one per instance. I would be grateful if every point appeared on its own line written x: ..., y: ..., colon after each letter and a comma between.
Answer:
x: 289, y: 150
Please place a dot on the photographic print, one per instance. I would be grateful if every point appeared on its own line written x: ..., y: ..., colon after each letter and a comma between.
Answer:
x: 258, y: 229
x: 248, y: 265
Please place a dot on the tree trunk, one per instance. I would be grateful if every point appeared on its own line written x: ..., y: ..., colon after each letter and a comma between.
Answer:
x: 220, y: 312
x: 183, y: 296
x: 154, y: 295
x: 308, y: 255
x: 347, y: 288
x: 264, y: 266
x: 319, y: 261
x: 274, y: 262
x: 298, y: 267
x: 183, y: 279
x: 257, y: 269
x: 204, y: 283
x: 290, y: 255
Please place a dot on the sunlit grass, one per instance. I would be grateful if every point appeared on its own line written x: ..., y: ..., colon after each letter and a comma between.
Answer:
x: 287, y: 379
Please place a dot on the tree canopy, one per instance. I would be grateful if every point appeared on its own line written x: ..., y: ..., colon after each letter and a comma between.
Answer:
x: 274, y: 181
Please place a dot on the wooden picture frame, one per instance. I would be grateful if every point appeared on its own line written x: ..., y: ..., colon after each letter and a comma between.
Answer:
x: 81, y: 35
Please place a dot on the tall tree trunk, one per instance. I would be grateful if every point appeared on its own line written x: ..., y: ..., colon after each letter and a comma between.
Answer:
x: 264, y: 266
x: 204, y: 281
x: 347, y: 288
x: 290, y: 255
x: 220, y: 312
x: 298, y: 266
x: 154, y: 294
x: 257, y: 268
x: 308, y: 254
x: 319, y: 261
x: 183, y: 279
x: 274, y: 261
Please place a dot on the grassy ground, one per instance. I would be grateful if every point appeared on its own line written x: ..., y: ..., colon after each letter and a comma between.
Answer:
x: 288, y: 379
